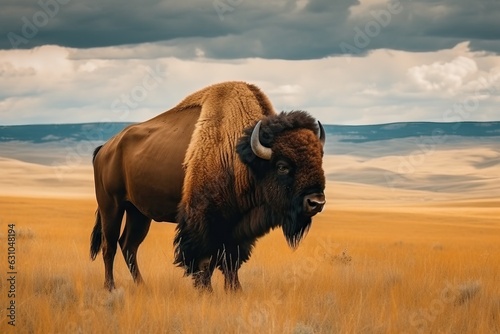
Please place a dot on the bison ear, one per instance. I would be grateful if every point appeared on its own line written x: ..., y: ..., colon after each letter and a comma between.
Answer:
x: 247, y: 155
x: 244, y: 150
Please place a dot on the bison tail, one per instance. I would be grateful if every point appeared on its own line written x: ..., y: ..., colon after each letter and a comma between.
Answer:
x: 96, y: 237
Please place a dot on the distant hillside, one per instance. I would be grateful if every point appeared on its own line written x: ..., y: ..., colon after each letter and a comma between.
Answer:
x: 99, y: 132
x: 368, y: 133
x: 44, y: 133
x: 400, y: 161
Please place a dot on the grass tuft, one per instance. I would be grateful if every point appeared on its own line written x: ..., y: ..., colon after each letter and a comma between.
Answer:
x: 25, y: 233
x: 341, y: 259
x: 467, y: 291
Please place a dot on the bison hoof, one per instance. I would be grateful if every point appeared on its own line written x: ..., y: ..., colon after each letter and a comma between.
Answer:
x: 204, y: 288
x: 202, y: 284
x: 236, y: 289
x: 109, y: 285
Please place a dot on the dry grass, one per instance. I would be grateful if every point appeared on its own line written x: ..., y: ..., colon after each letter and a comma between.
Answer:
x: 370, y: 270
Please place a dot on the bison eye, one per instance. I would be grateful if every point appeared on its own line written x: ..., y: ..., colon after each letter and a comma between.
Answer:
x: 282, y: 168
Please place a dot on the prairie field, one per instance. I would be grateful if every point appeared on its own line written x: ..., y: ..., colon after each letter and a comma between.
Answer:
x: 402, y: 268
x: 409, y: 242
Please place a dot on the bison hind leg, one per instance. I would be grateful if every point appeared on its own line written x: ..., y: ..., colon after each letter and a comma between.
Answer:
x: 135, y: 231
x: 111, y: 219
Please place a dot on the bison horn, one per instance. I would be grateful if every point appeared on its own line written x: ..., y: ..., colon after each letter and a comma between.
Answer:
x: 321, y: 134
x: 258, y: 149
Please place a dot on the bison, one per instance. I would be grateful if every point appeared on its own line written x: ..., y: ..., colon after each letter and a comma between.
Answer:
x: 224, y: 166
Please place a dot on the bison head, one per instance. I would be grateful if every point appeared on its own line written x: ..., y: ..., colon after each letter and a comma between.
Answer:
x: 284, y: 154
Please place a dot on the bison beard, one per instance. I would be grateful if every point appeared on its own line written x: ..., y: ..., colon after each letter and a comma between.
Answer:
x: 296, y: 224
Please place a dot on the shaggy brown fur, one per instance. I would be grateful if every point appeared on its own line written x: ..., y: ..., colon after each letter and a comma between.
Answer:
x: 194, y: 165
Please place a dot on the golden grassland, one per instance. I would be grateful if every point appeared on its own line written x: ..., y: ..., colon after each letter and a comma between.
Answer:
x: 413, y: 269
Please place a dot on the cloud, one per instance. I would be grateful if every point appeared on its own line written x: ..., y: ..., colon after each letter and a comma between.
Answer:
x: 444, y: 76
x: 135, y: 83
x: 229, y: 29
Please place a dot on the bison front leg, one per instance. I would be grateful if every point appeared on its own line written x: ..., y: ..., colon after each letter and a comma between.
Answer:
x: 229, y: 267
x: 203, y: 277
x: 231, y: 281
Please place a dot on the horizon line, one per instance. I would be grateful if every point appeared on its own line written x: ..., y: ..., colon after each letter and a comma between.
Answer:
x: 326, y: 124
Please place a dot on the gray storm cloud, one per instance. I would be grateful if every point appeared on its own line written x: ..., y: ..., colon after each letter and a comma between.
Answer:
x: 228, y: 29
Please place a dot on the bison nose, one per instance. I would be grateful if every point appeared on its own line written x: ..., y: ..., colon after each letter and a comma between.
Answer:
x: 314, y: 203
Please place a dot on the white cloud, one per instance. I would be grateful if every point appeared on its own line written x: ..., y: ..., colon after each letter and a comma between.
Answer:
x: 48, y: 60
x: 54, y: 84
x: 444, y: 76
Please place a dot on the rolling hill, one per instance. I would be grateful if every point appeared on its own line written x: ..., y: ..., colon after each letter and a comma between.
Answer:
x: 399, y: 161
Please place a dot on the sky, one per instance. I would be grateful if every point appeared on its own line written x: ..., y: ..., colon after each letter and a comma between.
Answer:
x: 345, y: 61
